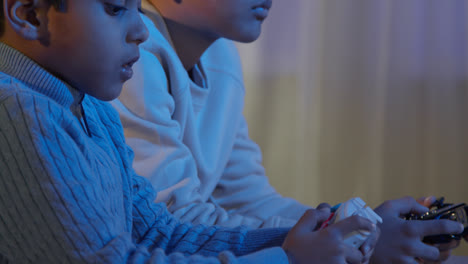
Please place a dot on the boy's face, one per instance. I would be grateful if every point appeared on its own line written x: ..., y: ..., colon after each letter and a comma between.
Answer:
x: 239, y: 20
x: 93, y: 44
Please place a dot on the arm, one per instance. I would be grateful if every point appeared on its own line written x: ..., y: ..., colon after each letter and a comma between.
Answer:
x: 189, y: 239
x: 56, y: 207
x: 146, y: 109
x: 305, y: 243
x: 244, y: 187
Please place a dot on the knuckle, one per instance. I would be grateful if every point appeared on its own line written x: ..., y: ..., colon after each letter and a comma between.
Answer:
x: 444, y: 255
x: 388, y: 203
x: 431, y: 254
x: 358, y: 222
x: 434, y: 253
x: 410, y: 249
x: 340, y: 249
x: 409, y: 229
x: 447, y: 226
x: 404, y: 260
x: 323, y: 205
x: 310, y: 213
x: 356, y: 218
x: 332, y: 233
x: 373, y: 239
x: 378, y: 232
x: 408, y: 199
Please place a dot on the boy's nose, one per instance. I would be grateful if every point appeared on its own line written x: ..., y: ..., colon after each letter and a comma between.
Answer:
x: 138, y: 33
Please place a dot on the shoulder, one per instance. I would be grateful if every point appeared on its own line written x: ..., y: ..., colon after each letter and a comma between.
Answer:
x: 223, y: 55
x: 19, y: 100
x: 32, y: 119
x: 155, y: 37
x: 159, y: 66
x: 226, y: 48
x: 157, y: 43
x: 9, y: 87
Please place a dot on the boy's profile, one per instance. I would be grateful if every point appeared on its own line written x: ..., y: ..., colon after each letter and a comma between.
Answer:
x: 68, y: 193
x: 182, y: 115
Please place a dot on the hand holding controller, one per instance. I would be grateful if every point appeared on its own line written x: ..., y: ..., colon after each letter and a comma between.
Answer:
x: 354, y: 206
x: 440, y: 210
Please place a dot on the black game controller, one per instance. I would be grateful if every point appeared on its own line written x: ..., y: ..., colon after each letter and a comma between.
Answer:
x: 440, y: 210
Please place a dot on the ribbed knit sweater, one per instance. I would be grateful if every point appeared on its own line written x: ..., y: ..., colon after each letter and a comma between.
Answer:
x: 68, y: 193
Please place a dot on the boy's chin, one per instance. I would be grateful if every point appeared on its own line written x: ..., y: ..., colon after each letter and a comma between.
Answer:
x: 107, y: 93
x: 245, y: 34
x: 247, y: 38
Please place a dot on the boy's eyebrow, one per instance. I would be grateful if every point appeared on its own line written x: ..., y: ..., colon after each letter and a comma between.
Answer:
x: 137, y: 1
x: 140, y: 8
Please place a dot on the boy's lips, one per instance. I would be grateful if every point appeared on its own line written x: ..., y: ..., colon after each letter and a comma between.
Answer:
x: 132, y: 61
x: 264, y: 4
x: 126, y: 71
x: 261, y: 10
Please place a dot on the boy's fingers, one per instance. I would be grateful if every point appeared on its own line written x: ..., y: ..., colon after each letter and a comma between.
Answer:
x: 367, y: 257
x: 426, y: 252
x: 401, y: 207
x: 437, y: 227
x: 311, y: 219
x: 409, y: 205
x: 323, y: 206
x: 370, y: 243
x: 445, y: 250
x: 427, y: 201
x: 351, y: 224
x: 444, y: 255
x: 448, y: 246
x: 353, y: 255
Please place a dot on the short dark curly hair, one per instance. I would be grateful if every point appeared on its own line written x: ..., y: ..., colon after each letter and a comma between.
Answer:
x: 58, y: 4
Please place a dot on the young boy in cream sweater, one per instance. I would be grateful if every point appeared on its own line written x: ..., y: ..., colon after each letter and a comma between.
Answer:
x: 68, y: 193
x: 182, y: 115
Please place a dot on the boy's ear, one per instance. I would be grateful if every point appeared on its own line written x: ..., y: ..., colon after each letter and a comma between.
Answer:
x: 22, y: 17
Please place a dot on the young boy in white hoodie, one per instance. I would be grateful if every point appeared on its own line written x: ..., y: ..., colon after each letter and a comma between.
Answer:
x: 68, y: 193
x: 182, y: 115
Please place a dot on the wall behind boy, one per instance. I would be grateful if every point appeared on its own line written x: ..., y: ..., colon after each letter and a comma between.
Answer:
x: 362, y: 98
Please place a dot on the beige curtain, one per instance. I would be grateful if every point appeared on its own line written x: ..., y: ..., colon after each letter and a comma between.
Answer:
x: 362, y: 98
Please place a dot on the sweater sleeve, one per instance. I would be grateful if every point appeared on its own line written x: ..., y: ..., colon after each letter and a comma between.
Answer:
x: 245, y: 189
x: 56, y: 209
x: 153, y: 225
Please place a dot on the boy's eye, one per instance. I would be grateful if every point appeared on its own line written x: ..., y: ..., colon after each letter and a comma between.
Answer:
x: 114, y: 10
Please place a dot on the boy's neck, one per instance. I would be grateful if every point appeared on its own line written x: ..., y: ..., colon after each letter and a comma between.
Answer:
x: 189, y: 44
